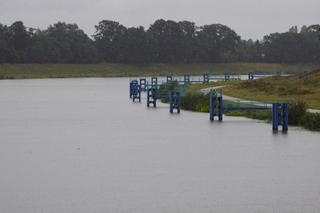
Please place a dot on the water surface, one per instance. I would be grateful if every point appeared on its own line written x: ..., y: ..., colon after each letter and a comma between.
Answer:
x: 80, y: 145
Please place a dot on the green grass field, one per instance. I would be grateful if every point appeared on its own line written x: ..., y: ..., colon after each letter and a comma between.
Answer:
x: 301, y: 91
x: 25, y: 71
x: 304, y: 88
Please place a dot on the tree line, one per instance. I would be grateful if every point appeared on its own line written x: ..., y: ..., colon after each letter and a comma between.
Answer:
x: 165, y: 41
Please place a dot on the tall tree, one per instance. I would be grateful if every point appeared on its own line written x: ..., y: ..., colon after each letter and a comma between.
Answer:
x: 169, y: 39
x: 63, y: 43
x: 189, y: 31
x: 215, y: 42
x: 4, y: 44
x: 108, y: 37
x: 18, y: 40
x: 137, y: 46
x: 165, y: 41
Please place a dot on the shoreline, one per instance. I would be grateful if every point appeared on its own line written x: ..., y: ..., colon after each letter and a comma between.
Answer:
x: 42, y: 71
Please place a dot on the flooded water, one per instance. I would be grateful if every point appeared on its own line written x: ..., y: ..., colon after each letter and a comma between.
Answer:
x: 80, y: 145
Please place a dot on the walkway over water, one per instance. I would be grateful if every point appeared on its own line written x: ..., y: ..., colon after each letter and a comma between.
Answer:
x: 217, y: 106
x: 205, y: 78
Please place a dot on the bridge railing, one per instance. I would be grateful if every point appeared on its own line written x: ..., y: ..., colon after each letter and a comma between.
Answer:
x: 279, y: 110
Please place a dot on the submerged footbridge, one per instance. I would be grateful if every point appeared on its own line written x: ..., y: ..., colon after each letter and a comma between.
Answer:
x: 185, y: 79
x: 172, y: 90
x: 218, y: 106
x: 256, y: 74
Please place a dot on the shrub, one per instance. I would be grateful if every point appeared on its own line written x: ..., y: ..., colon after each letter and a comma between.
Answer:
x: 311, y: 121
x: 195, y: 101
x: 169, y: 87
x: 296, y: 112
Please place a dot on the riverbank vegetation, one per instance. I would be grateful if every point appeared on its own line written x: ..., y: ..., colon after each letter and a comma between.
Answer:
x: 25, y: 71
x: 298, y: 115
x: 301, y: 91
x: 301, y: 87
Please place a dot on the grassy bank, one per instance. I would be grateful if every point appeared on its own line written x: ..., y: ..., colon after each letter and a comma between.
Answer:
x: 298, y: 116
x: 301, y: 91
x: 24, y: 71
x: 304, y: 88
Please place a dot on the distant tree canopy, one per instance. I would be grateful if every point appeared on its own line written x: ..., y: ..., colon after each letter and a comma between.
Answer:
x: 165, y: 41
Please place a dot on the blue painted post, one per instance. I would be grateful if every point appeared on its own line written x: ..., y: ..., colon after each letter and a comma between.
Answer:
x: 171, y: 102
x: 205, y: 78
x: 151, y: 97
x: 275, y: 116
x: 220, y: 108
x: 251, y: 76
x: 148, y: 97
x: 212, y: 107
x: 285, y: 116
x: 226, y: 77
x: 178, y: 101
x: 154, y: 97
x: 278, y: 74
x: 169, y: 78
x: 139, y: 92
x: 143, y: 84
x: 186, y: 79
x: 131, y: 87
x: 136, y: 93
x: 154, y: 82
x: 174, y: 98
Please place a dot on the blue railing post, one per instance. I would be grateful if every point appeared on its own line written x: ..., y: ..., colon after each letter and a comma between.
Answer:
x: 220, y: 108
x: 275, y: 116
x: 171, y: 102
x: 131, y: 87
x: 143, y: 84
x: 226, y: 77
x: 148, y: 97
x: 278, y: 74
x: 174, y: 99
x: 251, y: 76
x: 212, y: 107
x: 280, y: 116
x: 169, y: 78
x: 186, y: 79
x: 151, y: 97
x: 178, y: 101
x: 205, y: 78
x: 285, y: 116
x: 136, y: 93
x: 154, y: 82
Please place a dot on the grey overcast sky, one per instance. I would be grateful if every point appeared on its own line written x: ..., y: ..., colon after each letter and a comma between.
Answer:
x: 249, y: 18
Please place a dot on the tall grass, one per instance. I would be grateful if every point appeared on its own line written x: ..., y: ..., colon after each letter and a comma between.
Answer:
x: 122, y: 70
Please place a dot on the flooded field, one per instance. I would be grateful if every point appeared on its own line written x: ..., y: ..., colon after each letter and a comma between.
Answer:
x: 81, y: 145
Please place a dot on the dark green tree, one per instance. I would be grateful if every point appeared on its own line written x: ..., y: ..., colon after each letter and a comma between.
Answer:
x: 4, y: 44
x: 62, y: 43
x: 215, y: 42
x: 169, y: 41
x: 108, y: 38
x: 189, y: 31
x: 137, y: 46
